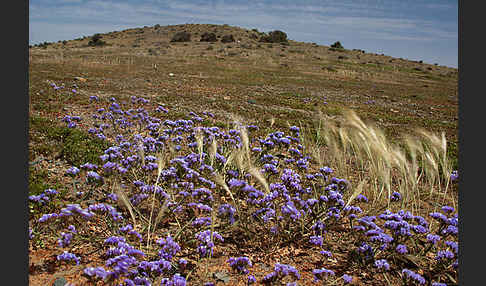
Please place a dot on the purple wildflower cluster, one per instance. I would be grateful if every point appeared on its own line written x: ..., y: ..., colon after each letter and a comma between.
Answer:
x: 279, y: 272
x: 322, y: 274
x: 44, y: 197
x: 206, y: 239
x: 302, y: 201
x: 240, y: 264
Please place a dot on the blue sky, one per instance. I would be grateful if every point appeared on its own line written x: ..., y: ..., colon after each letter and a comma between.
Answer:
x: 412, y: 29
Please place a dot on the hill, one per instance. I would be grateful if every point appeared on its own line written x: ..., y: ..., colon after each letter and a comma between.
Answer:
x: 134, y: 102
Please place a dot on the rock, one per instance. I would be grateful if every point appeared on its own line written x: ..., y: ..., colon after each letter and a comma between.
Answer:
x: 82, y: 79
x: 221, y: 276
x: 61, y: 281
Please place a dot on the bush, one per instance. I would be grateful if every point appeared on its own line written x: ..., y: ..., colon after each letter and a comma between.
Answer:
x: 181, y: 37
x: 96, y: 41
x: 37, y: 180
x: 337, y: 45
x: 208, y: 37
x: 227, y: 39
x: 76, y: 146
x: 79, y: 147
x: 274, y: 37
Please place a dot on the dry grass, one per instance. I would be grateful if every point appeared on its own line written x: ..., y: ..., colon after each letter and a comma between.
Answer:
x: 417, y: 167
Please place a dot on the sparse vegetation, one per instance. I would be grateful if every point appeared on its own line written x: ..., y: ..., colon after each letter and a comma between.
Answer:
x: 181, y: 37
x: 96, y: 41
x: 336, y: 46
x: 232, y: 167
x: 274, y: 37
x: 227, y: 39
x: 208, y: 37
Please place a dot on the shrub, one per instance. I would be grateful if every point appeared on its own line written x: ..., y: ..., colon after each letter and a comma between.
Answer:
x: 37, y: 181
x: 79, y: 147
x: 96, y: 41
x: 227, y: 39
x: 337, y: 45
x: 181, y: 37
x: 208, y: 37
x: 274, y: 37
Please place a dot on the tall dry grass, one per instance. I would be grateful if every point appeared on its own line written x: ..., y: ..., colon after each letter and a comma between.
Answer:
x: 417, y: 166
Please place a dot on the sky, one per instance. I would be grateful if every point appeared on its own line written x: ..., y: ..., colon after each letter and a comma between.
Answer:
x: 412, y: 29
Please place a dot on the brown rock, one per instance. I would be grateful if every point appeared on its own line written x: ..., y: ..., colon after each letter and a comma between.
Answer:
x: 82, y: 79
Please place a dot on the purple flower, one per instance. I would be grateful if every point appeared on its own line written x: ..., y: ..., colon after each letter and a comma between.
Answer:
x: 402, y: 249
x: 396, y: 196
x: 89, y: 166
x: 251, y: 279
x: 66, y: 256
x: 433, y: 238
x: 205, y: 221
x: 96, y: 271
x: 444, y: 255
x: 347, y: 278
x: 447, y: 209
x: 283, y: 270
x: 65, y: 240
x: 453, y: 245
x: 326, y: 170
x: 39, y: 198
x: 47, y: 217
x: 382, y: 263
x: 169, y: 248
x: 316, y: 240
x: 240, y: 263
x: 227, y: 210
x: 450, y: 229
x: 326, y: 253
x: 207, y: 244
x: 454, y: 175
x: 412, y: 275
x: 321, y: 274
x: 73, y: 171
x: 93, y: 176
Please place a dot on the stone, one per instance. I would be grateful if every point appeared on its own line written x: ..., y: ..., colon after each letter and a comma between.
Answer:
x: 82, y: 79
x: 222, y: 276
x: 61, y: 281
